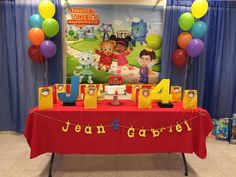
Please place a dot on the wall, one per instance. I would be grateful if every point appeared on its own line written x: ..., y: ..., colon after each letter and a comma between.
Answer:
x: 141, y: 2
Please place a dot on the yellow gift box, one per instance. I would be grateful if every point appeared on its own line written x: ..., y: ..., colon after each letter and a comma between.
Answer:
x: 79, y: 95
x: 145, y: 99
x: 60, y: 88
x: 100, y: 92
x: 190, y: 99
x: 90, y: 98
x: 176, y: 92
x: 45, y: 98
x: 134, y: 90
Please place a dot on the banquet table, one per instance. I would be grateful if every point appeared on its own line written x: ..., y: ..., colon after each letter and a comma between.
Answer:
x: 123, y: 129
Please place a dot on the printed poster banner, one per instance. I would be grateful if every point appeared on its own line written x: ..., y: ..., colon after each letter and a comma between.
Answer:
x: 105, y: 42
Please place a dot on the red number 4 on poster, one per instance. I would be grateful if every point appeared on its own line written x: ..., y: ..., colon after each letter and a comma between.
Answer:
x: 162, y: 92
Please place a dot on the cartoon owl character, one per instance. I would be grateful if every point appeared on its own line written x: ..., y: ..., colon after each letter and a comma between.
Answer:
x: 139, y: 31
x: 106, y: 53
x: 86, y: 60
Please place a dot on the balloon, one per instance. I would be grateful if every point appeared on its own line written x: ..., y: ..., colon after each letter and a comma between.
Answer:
x: 158, y: 53
x: 46, y: 9
x: 35, y: 20
x: 154, y: 41
x: 179, y: 58
x: 199, y: 29
x: 199, y: 8
x: 48, y: 49
x: 50, y: 27
x: 36, y: 36
x: 35, y: 55
x: 186, y: 21
x: 195, y: 47
x: 183, y: 39
x: 71, y: 32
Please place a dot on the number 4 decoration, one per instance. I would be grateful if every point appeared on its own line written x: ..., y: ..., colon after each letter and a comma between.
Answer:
x: 161, y: 93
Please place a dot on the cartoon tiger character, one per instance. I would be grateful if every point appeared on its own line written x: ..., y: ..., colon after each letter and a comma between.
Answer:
x: 106, y: 53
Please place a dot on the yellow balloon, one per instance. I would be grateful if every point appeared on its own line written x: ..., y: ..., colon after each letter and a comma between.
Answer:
x: 199, y: 8
x: 46, y: 9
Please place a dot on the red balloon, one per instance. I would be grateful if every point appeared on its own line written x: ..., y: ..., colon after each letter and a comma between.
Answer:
x: 179, y: 58
x: 35, y: 54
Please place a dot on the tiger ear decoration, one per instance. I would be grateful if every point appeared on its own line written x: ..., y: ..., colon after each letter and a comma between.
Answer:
x: 112, y: 37
x: 128, y: 38
x: 101, y: 44
x: 114, y: 43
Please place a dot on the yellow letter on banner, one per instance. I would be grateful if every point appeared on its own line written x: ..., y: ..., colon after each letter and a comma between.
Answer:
x: 88, y: 130
x: 101, y: 129
x: 178, y: 128
x: 77, y: 128
x: 130, y: 132
x: 162, y: 129
x: 170, y: 130
x: 142, y: 133
x: 155, y: 133
x: 65, y: 129
x: 162, y: 92
x: 187, y: 125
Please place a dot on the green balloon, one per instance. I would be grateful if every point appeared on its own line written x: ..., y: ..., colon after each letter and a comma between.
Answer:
x: 186, y: 21
x: 158, y: 53
x: 50, y: 27
x: 154, y: 41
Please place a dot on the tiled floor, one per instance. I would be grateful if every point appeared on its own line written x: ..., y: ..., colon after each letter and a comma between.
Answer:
x: 15, y: 162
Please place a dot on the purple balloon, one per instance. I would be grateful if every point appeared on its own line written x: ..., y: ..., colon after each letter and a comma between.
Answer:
x: 195, y: 47
x: 48, y: 48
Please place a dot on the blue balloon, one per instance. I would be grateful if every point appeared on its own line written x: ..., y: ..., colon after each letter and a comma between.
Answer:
x: 199, y: 29
x: 35, y: 20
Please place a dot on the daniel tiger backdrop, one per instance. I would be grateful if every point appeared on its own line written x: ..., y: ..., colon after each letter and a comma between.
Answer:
x: 106, y: 40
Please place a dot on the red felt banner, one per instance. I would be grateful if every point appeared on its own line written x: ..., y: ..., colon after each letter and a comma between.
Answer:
x: 44, y: 130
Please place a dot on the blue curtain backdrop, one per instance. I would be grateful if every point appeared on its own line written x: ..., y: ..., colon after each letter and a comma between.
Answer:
x: 213, y: 73
x: 19, y: 76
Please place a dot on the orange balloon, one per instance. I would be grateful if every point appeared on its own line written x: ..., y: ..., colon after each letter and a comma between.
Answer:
x: 183, y: 39
x: 36, y: 36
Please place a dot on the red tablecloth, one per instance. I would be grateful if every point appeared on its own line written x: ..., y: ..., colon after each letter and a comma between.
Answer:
x: 44, y: 130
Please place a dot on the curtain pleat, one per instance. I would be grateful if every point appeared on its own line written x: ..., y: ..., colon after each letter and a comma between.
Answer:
x: 19, y: 76
x: 213, y: 73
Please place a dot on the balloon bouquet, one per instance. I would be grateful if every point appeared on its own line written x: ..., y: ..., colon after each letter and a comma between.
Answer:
x: 42, y: 25
x: 190, y: 43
